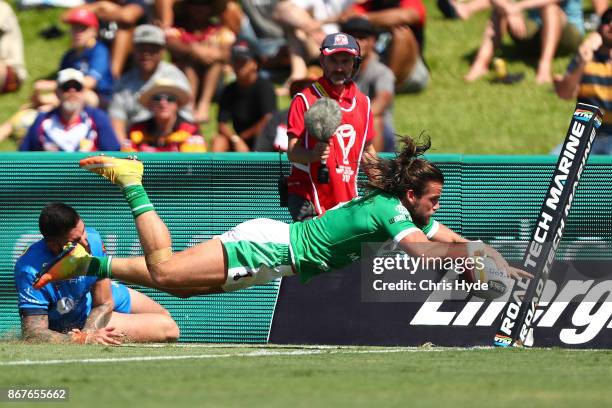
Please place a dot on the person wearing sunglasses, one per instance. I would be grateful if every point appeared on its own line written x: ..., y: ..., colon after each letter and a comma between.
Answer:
x: 167, y: 130
x: 72, y: 126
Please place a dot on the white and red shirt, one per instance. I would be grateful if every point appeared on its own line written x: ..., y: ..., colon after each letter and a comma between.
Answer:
x: 90, y: 131
x: 346, y: 145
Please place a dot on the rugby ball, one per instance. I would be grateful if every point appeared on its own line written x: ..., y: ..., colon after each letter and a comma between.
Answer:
x: 491, y: 282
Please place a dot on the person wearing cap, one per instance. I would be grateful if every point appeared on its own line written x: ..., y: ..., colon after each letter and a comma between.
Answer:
x: 347, y: 148
x: 125, y: 15
x: 402, y: 29
x: 376, y: 80
x: 166, y: 130
x: 87, y: 55
x: 72, y: 126
x: 248, y: 103
x: 12, y: 61
x: 125, y: 108
x: 589, y: 79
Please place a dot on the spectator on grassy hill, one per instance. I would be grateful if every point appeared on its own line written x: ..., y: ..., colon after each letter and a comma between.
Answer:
x: 86, y: 309
x: 463, y: 10
x: 306, y: 23
x: 119, y: 17
x: 542, y: 28
x: 72, y: 126
x: 199, y: 43
x: 246, y: 105
x: 16, y: 127
x: 12, y: 62
x: 259, y: 27
x: 589, y: 79
x: 88, y: 55
x: 402, y: 25
x: 376, y: 80
x: 166, y: 130
x: 125, y: 110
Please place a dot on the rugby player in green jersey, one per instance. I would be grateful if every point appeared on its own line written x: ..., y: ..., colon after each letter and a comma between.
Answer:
x: 402, y: 196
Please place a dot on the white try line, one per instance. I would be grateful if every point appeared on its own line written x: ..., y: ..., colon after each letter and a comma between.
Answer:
x: 258, y: 353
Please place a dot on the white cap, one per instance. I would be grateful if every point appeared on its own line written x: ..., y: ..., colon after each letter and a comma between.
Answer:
x: 70, y: 74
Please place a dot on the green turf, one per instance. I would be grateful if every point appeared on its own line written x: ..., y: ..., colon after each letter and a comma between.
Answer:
x: 461, y: 118
x: 227, y: 376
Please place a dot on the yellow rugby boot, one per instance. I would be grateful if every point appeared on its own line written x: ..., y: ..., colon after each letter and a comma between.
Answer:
x: 122, y: 172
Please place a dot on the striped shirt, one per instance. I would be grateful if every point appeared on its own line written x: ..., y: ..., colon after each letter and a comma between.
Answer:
x: 596, y: 86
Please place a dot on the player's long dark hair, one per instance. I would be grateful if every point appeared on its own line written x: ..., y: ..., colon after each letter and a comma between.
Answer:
x: 407, y: 171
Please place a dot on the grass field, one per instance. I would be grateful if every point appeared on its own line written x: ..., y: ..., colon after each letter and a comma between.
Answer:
x: 283, y: 376
x: 480, y: 118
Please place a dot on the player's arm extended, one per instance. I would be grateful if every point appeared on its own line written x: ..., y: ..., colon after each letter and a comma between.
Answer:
x: 447, y: 243
x: 448, y: 236
x: 417, y: 244
x: 102, y: 305
x: 445, y: 234
x: 35, y: 329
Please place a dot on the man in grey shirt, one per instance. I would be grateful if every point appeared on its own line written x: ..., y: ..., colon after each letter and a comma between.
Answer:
x: 125, y: 110
x: 376, y: 80
x: 259, y: 27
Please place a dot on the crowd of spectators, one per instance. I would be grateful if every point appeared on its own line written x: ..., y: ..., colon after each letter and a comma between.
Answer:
x: 154, y: 70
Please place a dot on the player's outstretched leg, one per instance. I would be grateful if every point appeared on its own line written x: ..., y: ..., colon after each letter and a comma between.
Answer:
x: 199, y: 266
x: 74, y: 260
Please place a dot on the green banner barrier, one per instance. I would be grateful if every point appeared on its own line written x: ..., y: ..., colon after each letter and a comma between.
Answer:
x: 494, y: 198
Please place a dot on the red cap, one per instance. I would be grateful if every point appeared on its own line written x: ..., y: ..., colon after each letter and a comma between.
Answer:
x: 82, y: 17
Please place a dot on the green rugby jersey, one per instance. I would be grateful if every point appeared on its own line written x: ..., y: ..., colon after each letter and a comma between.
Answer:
x: 333, y: 240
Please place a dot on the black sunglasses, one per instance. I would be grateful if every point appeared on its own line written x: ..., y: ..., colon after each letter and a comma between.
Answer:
x: 66, y: 86
x: 167, y: 97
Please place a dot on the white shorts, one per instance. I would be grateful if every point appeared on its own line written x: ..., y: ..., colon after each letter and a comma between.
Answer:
x: 257, y: 253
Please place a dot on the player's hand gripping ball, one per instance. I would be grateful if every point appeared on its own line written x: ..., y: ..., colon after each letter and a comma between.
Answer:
x: 487, y: 272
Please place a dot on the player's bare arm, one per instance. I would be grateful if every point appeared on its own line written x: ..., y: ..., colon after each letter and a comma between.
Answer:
x: 447, y: 243
x: 102, y: 305
x: 445, y: 234
x: 35, y: 329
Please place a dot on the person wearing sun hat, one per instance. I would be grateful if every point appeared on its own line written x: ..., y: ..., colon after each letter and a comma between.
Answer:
x: 167, y: 130
x: 149, y: 66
